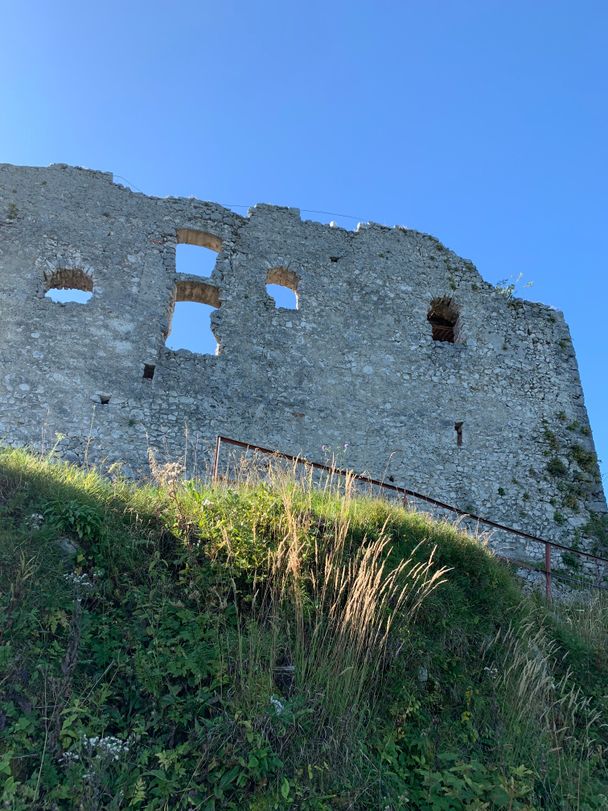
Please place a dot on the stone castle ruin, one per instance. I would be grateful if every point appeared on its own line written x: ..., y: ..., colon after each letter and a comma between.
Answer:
x: 399, y: 356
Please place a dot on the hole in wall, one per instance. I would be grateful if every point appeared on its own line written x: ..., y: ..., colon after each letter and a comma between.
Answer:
x: 104, y: 399
x: 190, y: 322
x: 69, y: 284
x: 443, y: 318
x: 282, y: 287
x: 194, y: 261
x: 191, y: 328
x: 64, y: 295
x: 196, y: 252
x: 458, y: 429
x: 284, y: 298
x: 149, y: 369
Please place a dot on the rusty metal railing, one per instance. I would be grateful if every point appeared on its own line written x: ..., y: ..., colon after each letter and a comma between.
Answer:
x: 406, y: 493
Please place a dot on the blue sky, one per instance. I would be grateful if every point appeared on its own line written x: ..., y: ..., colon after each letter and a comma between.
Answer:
x: 481, y: 122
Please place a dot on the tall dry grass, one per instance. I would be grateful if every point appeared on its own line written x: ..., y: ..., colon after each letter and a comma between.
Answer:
x: 588, y: 619
x: 548, y: 721
x: 327, y: 621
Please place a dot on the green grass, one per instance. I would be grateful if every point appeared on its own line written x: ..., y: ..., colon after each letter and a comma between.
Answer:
x: 271, y: 645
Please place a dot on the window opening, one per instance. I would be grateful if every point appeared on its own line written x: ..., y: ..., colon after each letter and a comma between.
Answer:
x: 196, y: 252
x: 69, y: 284
x: 282, y: 287
x: 104, y: 399
x: 149, y: 369
x: 190, y: 325
x: 443, y: 318
x: 458, y: 429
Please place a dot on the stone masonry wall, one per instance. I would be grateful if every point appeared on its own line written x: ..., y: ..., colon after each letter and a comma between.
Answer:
x: 355, y: 369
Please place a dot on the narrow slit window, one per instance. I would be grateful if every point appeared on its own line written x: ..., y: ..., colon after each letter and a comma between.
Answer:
x: 191, y: 325
x: 196, y: 252
x: 443, y: 318
x: 458, y: 429
x: 149, y: 369
x: 282, y: 287
x: 69, y: 284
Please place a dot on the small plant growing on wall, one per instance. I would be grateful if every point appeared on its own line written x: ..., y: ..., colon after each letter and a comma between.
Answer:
x: 555, y: 467
x: 508, y: 287
x: 597, y: 528
x: 583, y: 458
x: 559, y: 518
x: 551, y: 439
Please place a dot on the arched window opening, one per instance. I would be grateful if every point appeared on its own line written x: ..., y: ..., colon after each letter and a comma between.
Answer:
x: 189, y: 258
x: 190, y: 324
x: 69, y: 284
x: 282, y: 287
x: 443, y: 318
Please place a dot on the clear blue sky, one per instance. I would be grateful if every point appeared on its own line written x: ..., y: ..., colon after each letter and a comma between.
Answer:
x: 481, y: 122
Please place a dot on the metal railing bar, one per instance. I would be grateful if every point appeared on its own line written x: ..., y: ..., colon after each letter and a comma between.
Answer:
x: 403, y: 491
x: 519, y: 564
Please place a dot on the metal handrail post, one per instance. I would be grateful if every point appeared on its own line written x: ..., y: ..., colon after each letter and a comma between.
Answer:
x: 216, y: 459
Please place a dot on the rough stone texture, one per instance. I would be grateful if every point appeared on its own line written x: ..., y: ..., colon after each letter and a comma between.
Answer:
x: 354, y: 371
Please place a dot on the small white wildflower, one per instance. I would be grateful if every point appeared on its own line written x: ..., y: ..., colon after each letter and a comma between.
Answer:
x: 279, y: 707
x: 108, y: 746
x: 80, y: 581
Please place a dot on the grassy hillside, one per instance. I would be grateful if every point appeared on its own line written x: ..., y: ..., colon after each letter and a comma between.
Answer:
x: 269, y: 646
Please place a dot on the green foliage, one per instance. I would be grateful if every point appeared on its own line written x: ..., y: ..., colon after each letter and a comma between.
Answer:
x: 571, y: 560
x: 508, y: 287
x: 551, y: 439
x: 82, y: 520
x: 559, y: 518
x: 597, y: 528
x: 195, y: 656
x: 571, y: 500
x: 556, y: 467
x: 452, y: 783
x: 584, y: 459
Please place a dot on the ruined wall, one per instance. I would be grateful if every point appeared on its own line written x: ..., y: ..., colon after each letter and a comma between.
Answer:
x: 354, y: 369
